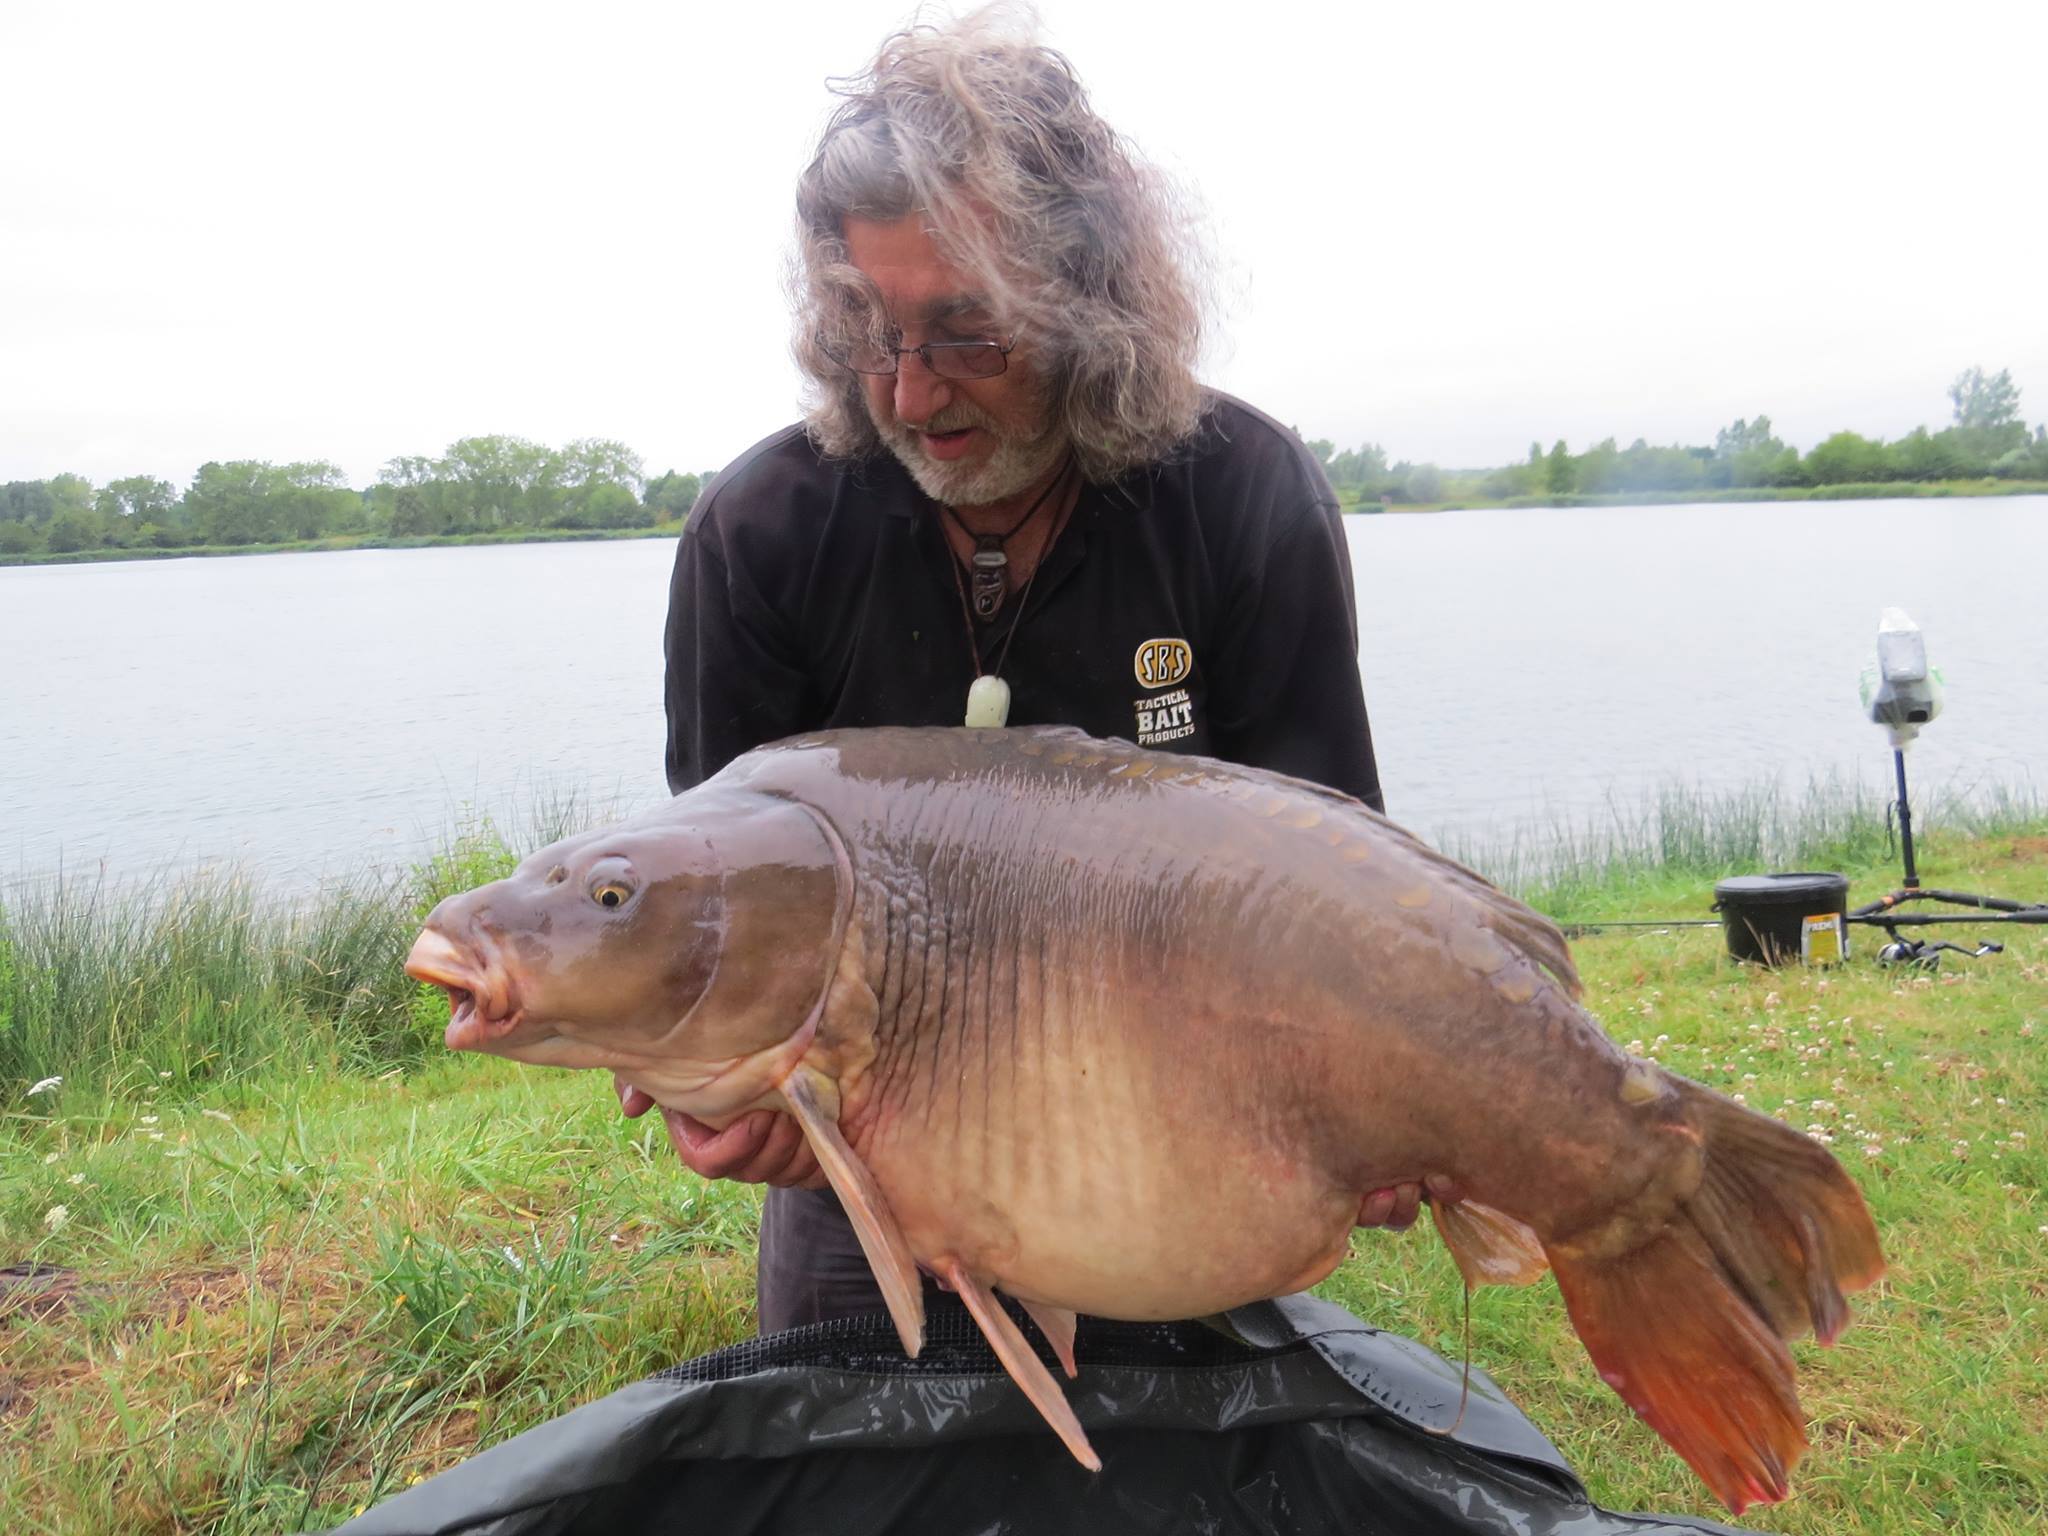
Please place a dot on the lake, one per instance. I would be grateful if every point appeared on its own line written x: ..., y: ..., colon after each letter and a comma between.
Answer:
x: 313, y: 714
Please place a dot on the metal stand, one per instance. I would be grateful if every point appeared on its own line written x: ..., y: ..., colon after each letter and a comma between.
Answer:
x: 1905, y: 819
x: 1884, y: 912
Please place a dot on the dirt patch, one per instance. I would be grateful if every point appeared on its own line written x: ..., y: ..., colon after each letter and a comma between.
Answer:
x: 35, y: 1291
x: 2023, y: 850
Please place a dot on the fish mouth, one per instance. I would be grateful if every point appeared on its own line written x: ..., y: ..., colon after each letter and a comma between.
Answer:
x: 481, y: 1006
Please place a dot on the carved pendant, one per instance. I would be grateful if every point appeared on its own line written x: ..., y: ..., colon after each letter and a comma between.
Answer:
x: 988, y: 701
x: 991, y: 584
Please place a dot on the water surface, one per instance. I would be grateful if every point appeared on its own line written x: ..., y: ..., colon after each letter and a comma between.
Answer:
x: 310, y: 714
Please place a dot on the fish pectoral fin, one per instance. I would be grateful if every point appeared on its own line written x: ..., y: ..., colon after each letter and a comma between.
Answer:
x: 1021, y: 1361
x: 881, y: 1239
x: 1491, y: 1247
x: 1057, y: 1324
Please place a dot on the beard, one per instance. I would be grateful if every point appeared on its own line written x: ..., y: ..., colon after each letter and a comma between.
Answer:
x: 1022, y: 457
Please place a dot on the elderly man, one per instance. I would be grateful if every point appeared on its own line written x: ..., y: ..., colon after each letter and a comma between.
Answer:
x: 1010, y: 502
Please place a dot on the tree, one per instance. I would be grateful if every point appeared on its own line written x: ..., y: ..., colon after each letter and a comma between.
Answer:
x: 1985, y: 404
x: 1558, y: 475
x: 231, y: 504
x: 26, y: 501
x: 71, y: 493
x: 140, y: 497
x: 1849, y: 459
x: 672, y: 495
x: 17, y: 538
x: 601, y: 461
x: 1363, y: 469
x: 1746, y: 437
x: 72, y: 529
x: 501, y: 481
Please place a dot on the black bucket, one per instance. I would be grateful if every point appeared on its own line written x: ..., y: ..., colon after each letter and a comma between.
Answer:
x: 1785, y: 919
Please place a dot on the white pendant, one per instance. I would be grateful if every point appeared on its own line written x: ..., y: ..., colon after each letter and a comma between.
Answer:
x: 988, y: 701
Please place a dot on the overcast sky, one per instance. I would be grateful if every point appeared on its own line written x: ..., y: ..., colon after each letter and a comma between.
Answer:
x: 352, y: 232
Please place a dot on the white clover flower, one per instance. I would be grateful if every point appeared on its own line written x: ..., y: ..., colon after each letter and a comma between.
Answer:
x: 47, y: 1085
x: 52, y: 1157
x: 56, y: 1216
x: 149, y: 1119
x: 1872, y: 1149
x: 219, y: 1114
x: 75, y: 1180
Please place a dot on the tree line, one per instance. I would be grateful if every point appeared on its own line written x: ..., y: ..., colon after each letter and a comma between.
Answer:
x: 1986, y: 439
x: 508, y: 485
x: 480, y: 485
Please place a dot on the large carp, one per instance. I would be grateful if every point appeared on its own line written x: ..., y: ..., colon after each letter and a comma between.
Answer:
x: 1131, y: 1034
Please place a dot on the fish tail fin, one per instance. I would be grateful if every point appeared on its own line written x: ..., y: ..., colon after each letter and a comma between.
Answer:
x: 1689, y: 1327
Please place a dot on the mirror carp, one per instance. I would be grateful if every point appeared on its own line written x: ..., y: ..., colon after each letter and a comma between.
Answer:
x: 1131, y: 1034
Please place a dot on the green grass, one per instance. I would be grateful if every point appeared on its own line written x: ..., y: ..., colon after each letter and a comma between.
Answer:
x: 299, y: 1273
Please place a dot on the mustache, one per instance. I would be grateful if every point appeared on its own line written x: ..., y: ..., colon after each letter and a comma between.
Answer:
x: 955, y: 418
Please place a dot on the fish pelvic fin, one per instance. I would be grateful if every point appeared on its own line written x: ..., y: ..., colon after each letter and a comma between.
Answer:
x: 881, y: 1237
x: 1057, y: 1324
x: 1491, y: 1247
x: 1690, y: 1326
x: 1021, y: 1361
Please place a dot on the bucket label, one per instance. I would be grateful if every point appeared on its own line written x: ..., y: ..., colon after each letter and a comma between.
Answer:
x: 1822, y: 941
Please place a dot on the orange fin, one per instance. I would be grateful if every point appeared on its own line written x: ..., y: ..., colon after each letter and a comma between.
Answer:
x: 1024, y: 1366
x: 1689, y: 1327
x: 881, y: 1239
x: 1491, y: 1247
x: 1057, y: 1324
x: 1685, y: 1350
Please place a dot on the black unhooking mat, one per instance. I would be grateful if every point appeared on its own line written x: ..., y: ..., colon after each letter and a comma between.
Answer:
x: 1309, y: 1422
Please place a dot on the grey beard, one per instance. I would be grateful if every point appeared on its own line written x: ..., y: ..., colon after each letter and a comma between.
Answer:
x: 1016, y: 465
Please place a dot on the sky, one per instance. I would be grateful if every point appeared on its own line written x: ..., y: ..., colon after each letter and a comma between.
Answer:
x: 355, y: 232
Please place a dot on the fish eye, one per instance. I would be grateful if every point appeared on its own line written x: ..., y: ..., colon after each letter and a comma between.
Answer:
x: 611, y: 894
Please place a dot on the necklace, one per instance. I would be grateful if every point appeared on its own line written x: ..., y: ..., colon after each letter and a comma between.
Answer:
x: 991, y: 560
x: 988, y: 697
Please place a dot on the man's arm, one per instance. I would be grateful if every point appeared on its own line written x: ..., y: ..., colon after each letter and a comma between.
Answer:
x: 734, y: 680
x: 1285, y: 693
x: 735, y: 675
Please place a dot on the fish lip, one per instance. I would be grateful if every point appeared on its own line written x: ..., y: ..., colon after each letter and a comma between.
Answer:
x: 482, y: 1007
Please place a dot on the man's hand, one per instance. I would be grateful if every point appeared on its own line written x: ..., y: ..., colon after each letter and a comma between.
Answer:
x: 762, y: 1147
x: 1398, y: 1205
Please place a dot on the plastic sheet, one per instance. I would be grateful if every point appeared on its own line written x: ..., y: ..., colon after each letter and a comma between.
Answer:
x: 1306, y: 1421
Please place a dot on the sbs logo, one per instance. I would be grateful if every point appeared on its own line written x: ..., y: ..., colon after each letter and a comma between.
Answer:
x: 1163, y: 663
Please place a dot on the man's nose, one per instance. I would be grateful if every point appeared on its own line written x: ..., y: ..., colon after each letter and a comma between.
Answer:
x: 920, y: 393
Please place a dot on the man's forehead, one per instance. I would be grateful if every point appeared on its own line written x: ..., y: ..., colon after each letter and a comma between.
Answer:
x: 909, y: 272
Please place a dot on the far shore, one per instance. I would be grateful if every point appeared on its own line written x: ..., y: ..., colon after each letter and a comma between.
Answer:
x: 1898, y: 490
x: 1347, y: 501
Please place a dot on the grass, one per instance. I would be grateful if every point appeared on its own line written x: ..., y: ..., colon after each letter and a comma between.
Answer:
x: 287, y: 1270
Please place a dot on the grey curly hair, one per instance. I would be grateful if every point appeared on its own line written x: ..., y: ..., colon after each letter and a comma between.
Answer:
x: 1081, y: 246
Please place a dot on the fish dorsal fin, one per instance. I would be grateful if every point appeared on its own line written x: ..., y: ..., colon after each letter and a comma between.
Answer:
x: 881, y: 1239
x: 1018, y: 1358
x: 1491, y: 1247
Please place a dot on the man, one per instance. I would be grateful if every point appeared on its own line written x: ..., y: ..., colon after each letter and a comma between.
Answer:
x: 1009, y: 489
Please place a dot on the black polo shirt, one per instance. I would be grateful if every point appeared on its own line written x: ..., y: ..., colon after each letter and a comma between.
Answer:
x: 1203, y: 605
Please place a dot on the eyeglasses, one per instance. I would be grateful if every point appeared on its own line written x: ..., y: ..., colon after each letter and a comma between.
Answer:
x: 947, y: 359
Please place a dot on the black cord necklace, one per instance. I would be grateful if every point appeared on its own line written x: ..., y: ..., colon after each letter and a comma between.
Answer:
x: 990, y: 562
